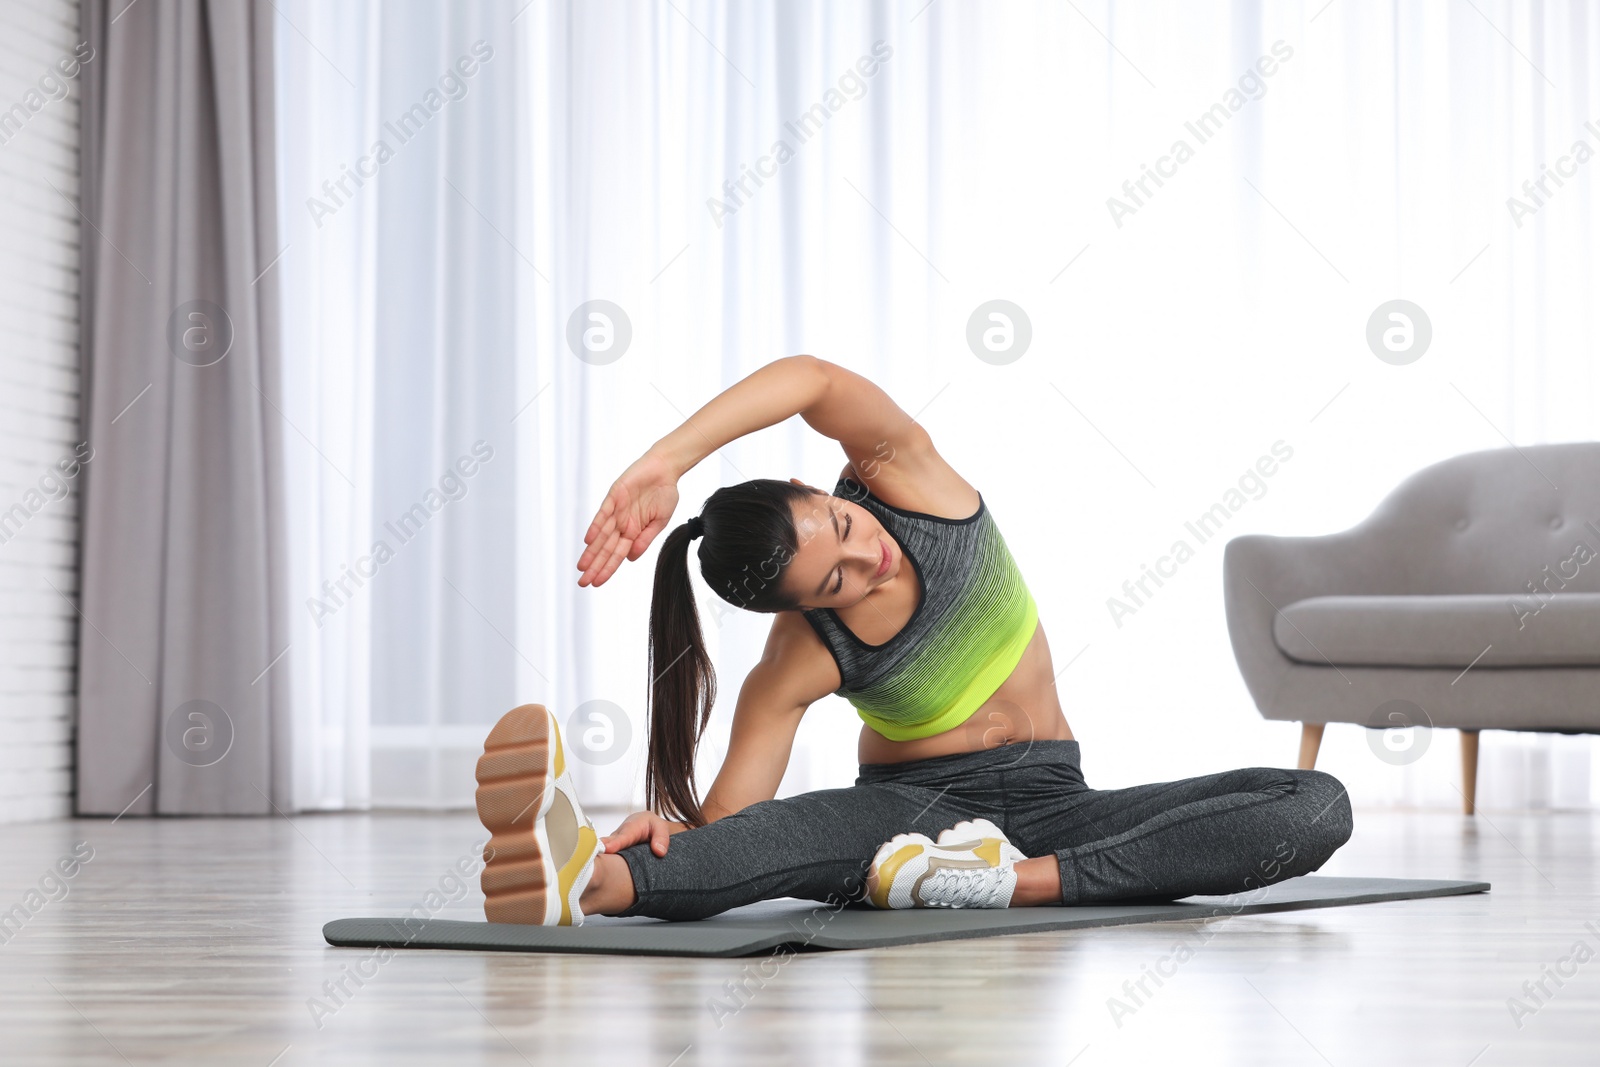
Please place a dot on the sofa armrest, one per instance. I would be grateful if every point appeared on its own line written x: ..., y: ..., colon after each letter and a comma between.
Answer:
x: 1262, y: 574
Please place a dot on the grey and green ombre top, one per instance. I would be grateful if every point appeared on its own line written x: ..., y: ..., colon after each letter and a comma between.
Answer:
x: 967, y: 633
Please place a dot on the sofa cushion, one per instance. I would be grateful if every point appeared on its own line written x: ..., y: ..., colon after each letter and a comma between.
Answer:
x: 1479, y: 629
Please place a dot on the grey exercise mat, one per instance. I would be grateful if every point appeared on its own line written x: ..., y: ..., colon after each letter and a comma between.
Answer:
x: 761, y: 927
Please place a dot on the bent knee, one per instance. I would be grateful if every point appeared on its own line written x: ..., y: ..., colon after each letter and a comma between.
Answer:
x: 1329, y: 818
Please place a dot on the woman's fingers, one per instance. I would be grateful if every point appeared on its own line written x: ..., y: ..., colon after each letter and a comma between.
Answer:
x: 629, y: 833
x: 610, y: 540
x: 641, y: 826
x: 604, y: 527
x: 607, y: 554
x: 615, y: 553
x: 642, y: 542
x: 596, y: 543
x: 586, y: 562
x: 596, y: 559
x: 603, y: 520
x: 636, y: 509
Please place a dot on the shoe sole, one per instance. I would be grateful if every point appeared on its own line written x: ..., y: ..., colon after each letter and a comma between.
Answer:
x: 516, y: 785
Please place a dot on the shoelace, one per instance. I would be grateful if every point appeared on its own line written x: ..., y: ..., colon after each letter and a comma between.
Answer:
x: 966, y: 887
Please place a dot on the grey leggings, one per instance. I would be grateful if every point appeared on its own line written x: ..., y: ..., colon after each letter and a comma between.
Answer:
x: 1218, y: 833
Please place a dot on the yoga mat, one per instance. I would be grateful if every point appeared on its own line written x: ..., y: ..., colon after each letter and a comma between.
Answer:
x: 761, y: 927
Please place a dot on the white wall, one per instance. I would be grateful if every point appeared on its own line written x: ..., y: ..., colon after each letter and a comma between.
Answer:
x: 38, y: 405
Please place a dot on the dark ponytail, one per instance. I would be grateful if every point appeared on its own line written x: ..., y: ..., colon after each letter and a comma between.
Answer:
x: 682, y: 681
x: 749, y: 539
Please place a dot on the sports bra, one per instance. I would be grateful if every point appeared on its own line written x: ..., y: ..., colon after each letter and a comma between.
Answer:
x: 967, y: 633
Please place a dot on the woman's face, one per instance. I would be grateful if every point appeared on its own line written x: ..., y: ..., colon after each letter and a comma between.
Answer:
x: 844, y: 553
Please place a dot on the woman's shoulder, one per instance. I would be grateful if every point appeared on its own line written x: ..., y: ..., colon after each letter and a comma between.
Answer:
x: 798, y: 654
x: 950, y: 500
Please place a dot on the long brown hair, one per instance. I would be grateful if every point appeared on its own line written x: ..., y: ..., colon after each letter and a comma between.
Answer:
x: 748, y: 542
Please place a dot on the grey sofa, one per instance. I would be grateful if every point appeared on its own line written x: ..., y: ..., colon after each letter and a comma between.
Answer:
x: 1470, y: 598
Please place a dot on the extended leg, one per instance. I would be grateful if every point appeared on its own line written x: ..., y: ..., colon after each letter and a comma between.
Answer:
x: 816, y: 846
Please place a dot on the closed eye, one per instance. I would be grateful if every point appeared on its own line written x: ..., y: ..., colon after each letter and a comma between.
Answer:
x: 849, y: 520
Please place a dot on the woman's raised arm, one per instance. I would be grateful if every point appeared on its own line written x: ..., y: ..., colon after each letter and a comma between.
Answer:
x: 835, y: 401
x: 773, y: 394
x: 640, y: 503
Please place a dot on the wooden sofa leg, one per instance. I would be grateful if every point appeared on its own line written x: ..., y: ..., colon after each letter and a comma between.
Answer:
x: 1310, y: 741
x: 1469, y: 771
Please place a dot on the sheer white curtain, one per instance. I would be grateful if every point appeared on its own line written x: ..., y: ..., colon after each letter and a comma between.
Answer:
x: 742, y: 182
x: 327, y: 396
x: 399, y: 190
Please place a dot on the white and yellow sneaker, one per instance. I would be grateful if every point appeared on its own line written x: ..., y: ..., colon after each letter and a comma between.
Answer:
x: 542, y: 847
x: 972, y: 865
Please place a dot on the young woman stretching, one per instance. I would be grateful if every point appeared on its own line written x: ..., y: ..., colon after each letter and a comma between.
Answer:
x: 897, y: 592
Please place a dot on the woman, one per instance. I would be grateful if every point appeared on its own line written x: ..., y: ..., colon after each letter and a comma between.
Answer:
x: 897, y: 592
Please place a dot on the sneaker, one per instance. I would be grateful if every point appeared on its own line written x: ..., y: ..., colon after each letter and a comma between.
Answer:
x: 542, y: 847
x: 972, y: 865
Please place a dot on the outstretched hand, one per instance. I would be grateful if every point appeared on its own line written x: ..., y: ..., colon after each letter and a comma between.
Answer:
x: 638, y: 506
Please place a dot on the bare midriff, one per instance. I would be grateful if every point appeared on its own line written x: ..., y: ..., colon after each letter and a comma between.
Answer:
x: 1025, y: 708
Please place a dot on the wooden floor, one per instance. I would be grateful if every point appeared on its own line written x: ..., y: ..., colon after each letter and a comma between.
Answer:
x: 199, y: 941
